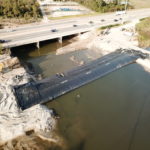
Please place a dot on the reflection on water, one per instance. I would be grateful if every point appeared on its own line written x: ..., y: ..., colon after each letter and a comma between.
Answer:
x: 111, y: 113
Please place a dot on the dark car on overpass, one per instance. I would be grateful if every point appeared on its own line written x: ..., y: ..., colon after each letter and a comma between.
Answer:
x: 3, y: 41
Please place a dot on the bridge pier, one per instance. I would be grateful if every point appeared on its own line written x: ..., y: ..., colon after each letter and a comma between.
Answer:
x: 38, y: 45
x: 7, y: 51
x: 60, y: 40
x: 79, y: 34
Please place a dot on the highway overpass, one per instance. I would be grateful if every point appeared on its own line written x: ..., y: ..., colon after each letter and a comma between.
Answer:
x: 35, y: 33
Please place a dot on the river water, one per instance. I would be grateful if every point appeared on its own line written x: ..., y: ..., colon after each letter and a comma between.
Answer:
x: 111, y: 113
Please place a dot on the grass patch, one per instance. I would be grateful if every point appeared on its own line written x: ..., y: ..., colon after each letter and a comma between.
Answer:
x: 143, y: 29
x: 17, y: 21
x: 74, y: 16
x: 109, y: 26
x: 144, y: 19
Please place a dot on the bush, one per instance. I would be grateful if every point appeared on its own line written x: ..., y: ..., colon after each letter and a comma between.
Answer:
x: 109, y: 26
x: 143, y: 29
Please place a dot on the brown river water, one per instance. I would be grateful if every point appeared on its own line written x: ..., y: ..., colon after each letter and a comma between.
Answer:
x: 111, y: 113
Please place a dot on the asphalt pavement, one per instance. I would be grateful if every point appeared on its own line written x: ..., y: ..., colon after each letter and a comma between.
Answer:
x: 43, y: 31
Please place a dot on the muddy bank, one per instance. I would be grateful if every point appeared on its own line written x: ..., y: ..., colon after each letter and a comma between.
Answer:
x: 14, y: 122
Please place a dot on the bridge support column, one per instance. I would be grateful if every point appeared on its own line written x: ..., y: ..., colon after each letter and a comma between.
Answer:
x: 79, y: 34
x: 7, y: 51
x: 38, y: 45
x: 60, y: 40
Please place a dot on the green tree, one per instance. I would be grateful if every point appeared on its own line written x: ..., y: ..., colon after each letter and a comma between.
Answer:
x: 19, y: 9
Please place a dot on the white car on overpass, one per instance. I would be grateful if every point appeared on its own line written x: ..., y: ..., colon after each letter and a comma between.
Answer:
x: 120, y: 12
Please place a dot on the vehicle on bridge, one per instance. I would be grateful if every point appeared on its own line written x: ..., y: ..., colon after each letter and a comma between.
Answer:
x: 102, y: 20
x: 120, y: 12
x: 54, y: 30
x: 115, y: 20
x: 3, y: 41
x: 91, y: 22
x: 75, y: 25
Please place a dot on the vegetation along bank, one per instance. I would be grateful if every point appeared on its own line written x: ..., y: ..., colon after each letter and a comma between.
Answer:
x: 143, y: 29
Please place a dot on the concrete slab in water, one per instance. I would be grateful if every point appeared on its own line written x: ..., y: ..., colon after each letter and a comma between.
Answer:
x: 48, y: 89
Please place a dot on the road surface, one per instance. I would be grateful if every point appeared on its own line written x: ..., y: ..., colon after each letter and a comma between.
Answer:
x: 40, y: 32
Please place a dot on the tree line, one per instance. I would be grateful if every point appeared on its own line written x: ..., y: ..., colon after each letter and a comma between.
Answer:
x: 19, y: 9
x: 101, y: 5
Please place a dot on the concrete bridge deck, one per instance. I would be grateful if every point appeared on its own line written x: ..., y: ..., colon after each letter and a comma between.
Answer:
x: 35, y: 33
x: 48, y: 89
x: 44, y: 35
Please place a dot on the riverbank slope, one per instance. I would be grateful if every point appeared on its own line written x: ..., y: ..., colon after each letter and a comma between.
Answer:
x: 101, y: 42
x: 143, y: 30
x: 29, y: 126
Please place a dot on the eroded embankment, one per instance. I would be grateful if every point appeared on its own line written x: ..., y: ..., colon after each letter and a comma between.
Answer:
x: 99, y: 43
x: 38, y: 120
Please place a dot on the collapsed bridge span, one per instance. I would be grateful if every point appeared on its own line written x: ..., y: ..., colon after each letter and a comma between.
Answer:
x: 48, y: 89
